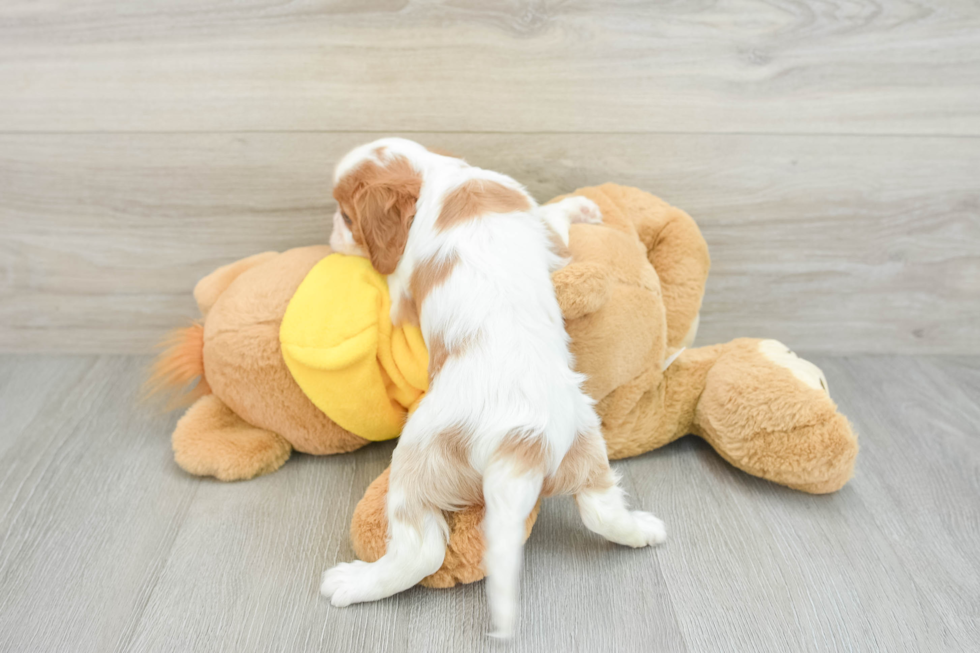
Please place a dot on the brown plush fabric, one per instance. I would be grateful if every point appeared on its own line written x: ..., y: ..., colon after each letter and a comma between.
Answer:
x: 799, y: 438
x: 671, y: 242
x: 209, y: 289
x: 631, y: 296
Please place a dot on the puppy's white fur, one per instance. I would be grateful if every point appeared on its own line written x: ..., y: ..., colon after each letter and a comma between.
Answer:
x: 510, y: 376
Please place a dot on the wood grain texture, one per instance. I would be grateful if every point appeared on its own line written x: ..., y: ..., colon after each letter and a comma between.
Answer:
x: 89, y: 504
x: 879, y: 566
x: 471, y: 65
x: 839, y: 244
x: 105, y: 545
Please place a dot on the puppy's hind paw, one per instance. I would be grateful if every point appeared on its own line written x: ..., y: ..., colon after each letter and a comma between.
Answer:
x: 583, y: 210
x: 346, y: 583
x: 649, y: 529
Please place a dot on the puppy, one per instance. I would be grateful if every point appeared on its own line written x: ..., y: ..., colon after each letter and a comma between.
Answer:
x: 469, y: 257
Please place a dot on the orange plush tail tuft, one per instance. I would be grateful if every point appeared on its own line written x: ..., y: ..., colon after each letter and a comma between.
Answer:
x: 176, y: 367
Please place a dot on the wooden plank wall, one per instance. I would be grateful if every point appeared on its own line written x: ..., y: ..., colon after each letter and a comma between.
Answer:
x: 830, y: 151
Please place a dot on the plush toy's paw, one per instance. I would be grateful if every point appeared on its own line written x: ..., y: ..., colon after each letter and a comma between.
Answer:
x: 211, y: 440
x: 582, y: 288
x: 347, y: 583
x: 582, y: 210
x: 648, y: 530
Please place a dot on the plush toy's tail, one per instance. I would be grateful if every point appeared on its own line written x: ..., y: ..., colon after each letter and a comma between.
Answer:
x: 176, y: 367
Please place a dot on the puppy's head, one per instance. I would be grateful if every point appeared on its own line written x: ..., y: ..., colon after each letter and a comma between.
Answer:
x: 376, y: 188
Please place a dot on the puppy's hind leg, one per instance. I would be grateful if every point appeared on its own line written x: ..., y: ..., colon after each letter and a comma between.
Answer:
x: 602, y: 503
x: 417, y: 536
x: 510, y: 494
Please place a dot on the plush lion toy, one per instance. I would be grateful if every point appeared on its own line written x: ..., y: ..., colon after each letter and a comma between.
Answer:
x: 631, y: 298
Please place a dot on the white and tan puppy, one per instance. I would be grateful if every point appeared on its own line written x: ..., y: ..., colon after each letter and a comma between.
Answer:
x: 469, y: 256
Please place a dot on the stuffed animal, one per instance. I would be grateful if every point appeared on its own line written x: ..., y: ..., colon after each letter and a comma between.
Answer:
x: 631, y: 297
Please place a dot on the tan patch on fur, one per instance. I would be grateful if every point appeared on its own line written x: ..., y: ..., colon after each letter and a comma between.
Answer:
x: 407, y: 313
x: 462, y: 486
x: 380, y: 202
x: 558, y: 246
x: 437, y: 475
x: 439, y: 353
x: 584, y: 467
x: 430, y: 274
x: 413, y: 517
x: 527, y: 454
x: 453, y: 442
x: 479, y: 197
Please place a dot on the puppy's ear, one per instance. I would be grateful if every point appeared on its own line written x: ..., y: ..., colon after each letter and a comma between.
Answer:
x: 386, y: 208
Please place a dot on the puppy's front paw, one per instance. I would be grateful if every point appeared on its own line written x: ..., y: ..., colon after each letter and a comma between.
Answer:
x: 346, y: 583
x: 583, y: 210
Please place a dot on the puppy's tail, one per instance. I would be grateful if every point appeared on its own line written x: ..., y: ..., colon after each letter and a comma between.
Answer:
x: 509, y: 499
x: 176, y: 368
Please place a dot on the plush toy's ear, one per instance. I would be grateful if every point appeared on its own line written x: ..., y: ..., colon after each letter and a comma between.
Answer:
x: 385, y: 210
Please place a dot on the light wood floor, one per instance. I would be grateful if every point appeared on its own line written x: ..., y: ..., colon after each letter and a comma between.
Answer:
x: 106, y: 545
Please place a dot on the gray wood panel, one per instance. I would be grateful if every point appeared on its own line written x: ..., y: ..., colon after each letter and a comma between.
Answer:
x: 837, y: 244
x: 924, y: 491
x: 89, y: 503
x: 472, y: 65
x: 105, y: 545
